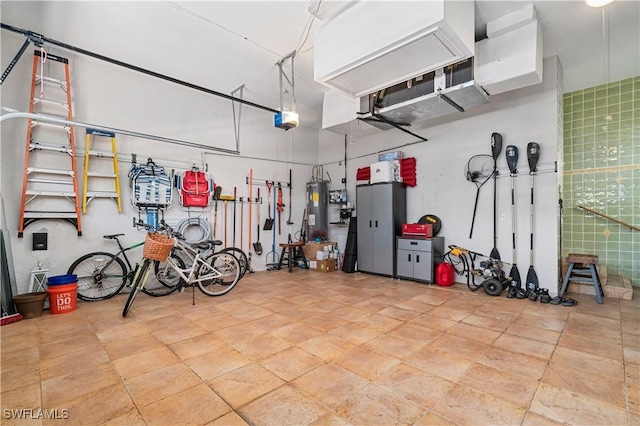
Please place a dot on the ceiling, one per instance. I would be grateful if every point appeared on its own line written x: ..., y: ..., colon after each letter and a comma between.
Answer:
x: 222, y: 45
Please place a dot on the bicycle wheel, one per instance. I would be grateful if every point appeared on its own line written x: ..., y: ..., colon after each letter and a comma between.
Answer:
x: 166, y: 279
x: 138, y: 282
x: 226, y: 269
x: 241, y: 256
x: 100, y: 275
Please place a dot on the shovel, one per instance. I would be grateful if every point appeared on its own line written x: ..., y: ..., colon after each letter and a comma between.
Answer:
x: 268, y: 223
x: 257, y: 246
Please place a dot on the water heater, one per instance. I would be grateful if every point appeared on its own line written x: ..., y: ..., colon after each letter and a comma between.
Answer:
x: 317, y: 209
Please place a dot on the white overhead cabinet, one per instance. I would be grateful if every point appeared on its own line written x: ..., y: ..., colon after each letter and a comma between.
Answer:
x: 381, y: 210
x: 376, y: 44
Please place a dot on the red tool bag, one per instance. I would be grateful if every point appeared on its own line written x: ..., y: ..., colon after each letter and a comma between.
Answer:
x: 195, y: 190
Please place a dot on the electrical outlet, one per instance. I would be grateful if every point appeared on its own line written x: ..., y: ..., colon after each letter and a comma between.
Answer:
x: 503, y: 217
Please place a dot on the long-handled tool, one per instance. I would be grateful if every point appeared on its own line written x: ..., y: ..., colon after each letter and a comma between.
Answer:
x: 478, y: 170
x: 512, y: 161
x: 241, y: 223
x: 303, y: 226
x: 533, y: 154
x: 289, y: 221
x: 496, y: 148
x: 280, y: 208
x: 273, y: 264
x: 268, y: 223
x: 249, y: 241
x: 216, y: 197
x: 257, y: 246
x: 225, y: 198
x: 224, y: 213
x: 235, y: 193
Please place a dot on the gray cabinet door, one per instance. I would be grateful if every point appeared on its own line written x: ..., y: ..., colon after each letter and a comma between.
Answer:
x: 405, y: 263
x: 384, y: 233
x: 364, y: 206
x: 423, y: 266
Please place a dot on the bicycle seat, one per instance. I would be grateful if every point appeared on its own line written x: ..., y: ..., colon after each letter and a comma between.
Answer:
x: 112, y: 237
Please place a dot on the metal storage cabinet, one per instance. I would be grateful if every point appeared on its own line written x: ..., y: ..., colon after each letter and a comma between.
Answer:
x: 417, y: 257
x: 381, y: 210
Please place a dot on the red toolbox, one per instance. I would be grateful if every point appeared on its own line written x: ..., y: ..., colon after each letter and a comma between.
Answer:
x: 417, y: 230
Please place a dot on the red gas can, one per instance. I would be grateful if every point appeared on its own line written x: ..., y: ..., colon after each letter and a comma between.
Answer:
x: 445, y: 274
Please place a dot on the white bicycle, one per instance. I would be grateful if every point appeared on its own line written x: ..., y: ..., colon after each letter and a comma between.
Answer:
x: 215, y: 275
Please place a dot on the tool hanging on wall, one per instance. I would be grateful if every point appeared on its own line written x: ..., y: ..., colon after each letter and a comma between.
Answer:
x: 216, y: 197
x: 225, y: 198
x: 512, y: 161
x: 249, y: 240
x: 289, y: 221
x: 241, y: 223
x: 273, y: 255
x: 496, y: 149
x: 478, y: 170
x: 533, y: 154
x: 268, y: 223
x: 257, y: 246
x: 235, y: 192
x: 280, y: 208
x: 303, y: 227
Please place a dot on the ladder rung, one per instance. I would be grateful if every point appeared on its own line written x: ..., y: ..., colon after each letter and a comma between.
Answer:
x: 50, y: 147
x: 101, y: 154
x: 51, y: 80
x: 104, y: 175
x: 48, y: 101
x: 57, y: 126
x: 102, y: 194
x: 50, y: 193
x: 49, y: 215
x: 49, y: 171
x: 97, y: 174
x: 55, y: 181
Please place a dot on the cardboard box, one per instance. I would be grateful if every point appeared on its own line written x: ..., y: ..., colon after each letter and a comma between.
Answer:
x: 322, y: 255
x: 311, y: 248
x: 326, y: 265
x: 313, y: 264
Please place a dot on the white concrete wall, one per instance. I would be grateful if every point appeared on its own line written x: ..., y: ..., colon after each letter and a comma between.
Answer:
x: 107, y: 95
x: 522, y: 116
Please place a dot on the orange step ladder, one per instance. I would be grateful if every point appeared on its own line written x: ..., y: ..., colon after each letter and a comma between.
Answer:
x: 50, y: 180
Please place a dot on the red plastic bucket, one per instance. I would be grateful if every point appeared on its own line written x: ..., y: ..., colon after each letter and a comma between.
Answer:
x: 63, y: 298
x: 445, y: 274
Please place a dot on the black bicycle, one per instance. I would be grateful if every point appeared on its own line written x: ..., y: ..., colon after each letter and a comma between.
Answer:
x: 102, y: 275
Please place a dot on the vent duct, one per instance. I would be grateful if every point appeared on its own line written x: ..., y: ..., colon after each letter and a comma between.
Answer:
x: 445, y: 91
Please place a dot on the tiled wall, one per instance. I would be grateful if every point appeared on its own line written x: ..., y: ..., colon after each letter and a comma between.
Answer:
x: 602, y: 172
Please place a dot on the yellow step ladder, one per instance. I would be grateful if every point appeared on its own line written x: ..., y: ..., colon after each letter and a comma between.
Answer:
x: 50, y: 180
x: 103, y: 174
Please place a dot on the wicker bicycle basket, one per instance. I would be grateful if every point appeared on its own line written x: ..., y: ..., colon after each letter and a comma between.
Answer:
x: 157, y: 247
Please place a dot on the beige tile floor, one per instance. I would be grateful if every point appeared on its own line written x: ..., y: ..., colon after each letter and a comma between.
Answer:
x: 307, y: 348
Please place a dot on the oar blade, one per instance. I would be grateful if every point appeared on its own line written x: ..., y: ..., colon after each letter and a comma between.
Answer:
x: 532, y: 280
x: 516, y: 280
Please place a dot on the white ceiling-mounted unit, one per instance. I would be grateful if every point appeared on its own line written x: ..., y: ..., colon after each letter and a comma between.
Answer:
x: 376, y: 44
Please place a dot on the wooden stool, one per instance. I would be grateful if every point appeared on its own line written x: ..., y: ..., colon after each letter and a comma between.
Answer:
x: 293, y: 251
x: 582, y: 259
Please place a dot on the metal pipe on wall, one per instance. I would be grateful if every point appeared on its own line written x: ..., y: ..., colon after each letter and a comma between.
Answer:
x: 12, y: 113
